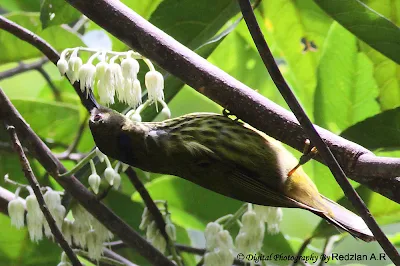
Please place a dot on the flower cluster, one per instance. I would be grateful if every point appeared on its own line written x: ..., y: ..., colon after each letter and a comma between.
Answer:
x: 83, y: 230
x: 270, y: 215
x: 153, y: 234
x: 114, y: 73
x: 34, y: 218
x: 251, y: 234
x: 219, y: 246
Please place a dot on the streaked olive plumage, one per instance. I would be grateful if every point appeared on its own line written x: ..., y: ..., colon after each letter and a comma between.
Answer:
x: 226, y: 156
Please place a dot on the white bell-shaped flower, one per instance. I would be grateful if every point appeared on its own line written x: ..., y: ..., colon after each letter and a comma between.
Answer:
x: 154, y: 81
x: 62, y: 66
x: 16, y: 211
x: 34, y: 218
x: 74, y: 64
x: 94, y: 182
x: 87, y: 74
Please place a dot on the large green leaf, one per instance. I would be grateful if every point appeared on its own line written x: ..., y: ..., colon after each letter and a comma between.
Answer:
x: 379, y: 131
x: 13, y: 49
x: 193, y: 22
x: 385, y: 70
x: 17, y: 249
x: 20, y: 5
x: 368, y: 25
x: 288, y: 23
x: 346, y: 88
x: 56, y: 12
x: 55, y: 122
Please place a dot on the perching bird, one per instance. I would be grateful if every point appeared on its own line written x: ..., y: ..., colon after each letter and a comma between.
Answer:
x: 222, y: 155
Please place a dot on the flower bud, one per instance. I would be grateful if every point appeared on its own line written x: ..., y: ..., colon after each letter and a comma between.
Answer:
x: 210, y: 234
x: 154, y: 81
x: 117, y: 180
x: 224, y: 240
x: 109, y: 174
x: 94, y: 182
x: 16, y: 211
x: 130, y: 68
x: 159, y: 242
x: 62, y: 66
x: 170, y: 229
x: 136, y: 117
x: 151, y: 230
x: 146, y: 219
x: 74, y: 64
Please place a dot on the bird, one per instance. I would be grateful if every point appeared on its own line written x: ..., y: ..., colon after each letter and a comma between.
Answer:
x: 221, y: 154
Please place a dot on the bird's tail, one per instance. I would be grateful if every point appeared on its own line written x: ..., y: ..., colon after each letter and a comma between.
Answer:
x: 347, y: 221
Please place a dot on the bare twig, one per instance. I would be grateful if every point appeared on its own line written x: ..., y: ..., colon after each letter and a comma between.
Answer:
x: 359, y: 163
x: 115, y: 256
x: 309, y: 129
x: 77, y: 139
x: 22, y: 67
x: 54, y: 89
x: 302, y: 249
x: 87, y: 199
x: 26, y: 168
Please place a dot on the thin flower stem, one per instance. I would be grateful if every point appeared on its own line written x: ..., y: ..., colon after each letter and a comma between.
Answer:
x: 149, y: 64
x: 231, y: 221
x: 84, y: 161
x: 93, y: 167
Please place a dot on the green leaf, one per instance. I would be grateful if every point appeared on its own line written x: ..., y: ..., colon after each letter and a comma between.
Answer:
x: 57, y: 12
x: 17, y: 249
x: 288, y: 23
x: 20, y: 5
x: 385, y: 70
x: 202, y: 35
x: 379, y: 131
x: 55, y: 122
x: 346, y: 88
x: 14, y: 49
x: 365, y: 23
x: 193, y: 22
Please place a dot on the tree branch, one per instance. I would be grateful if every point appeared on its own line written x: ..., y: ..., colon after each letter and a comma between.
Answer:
x: 308, y: 127
x: 87, y: 199
x: 26, y: 168
x: 241, y: 100
x: 22, y: 67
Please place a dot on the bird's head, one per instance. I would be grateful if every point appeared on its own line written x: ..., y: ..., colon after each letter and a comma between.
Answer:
x: 106, y: 125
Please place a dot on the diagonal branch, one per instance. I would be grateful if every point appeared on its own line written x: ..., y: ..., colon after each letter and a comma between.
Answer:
x: 26, y: 168
x: 22, y: 67
x: 87, y: 199
x: 358, y: 162
x: 308, y: 127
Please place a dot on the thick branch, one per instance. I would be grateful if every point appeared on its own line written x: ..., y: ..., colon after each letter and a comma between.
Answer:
x: 26, y: 168
x: 88, y: 200
x: 308, y: 127
x: 247, y: 104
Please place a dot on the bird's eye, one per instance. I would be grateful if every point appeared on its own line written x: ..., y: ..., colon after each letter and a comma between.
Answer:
x: 97, y: 117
